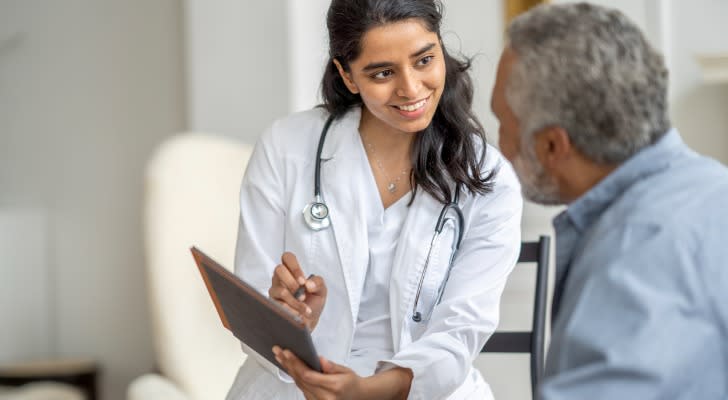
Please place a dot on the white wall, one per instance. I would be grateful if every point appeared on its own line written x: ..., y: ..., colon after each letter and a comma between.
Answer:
x: 699, y: 109
x: 87, y: 88
x: 27, y: 280
x: 237, y: 59
x: 307, y: 45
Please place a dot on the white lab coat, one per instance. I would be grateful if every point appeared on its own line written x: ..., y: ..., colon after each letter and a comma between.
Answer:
x: 279, y: 182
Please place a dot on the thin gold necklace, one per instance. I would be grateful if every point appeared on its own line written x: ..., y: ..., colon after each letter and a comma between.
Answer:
x: 391, y: 184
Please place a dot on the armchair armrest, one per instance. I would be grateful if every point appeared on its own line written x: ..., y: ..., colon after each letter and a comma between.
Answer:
x: 154, y: 387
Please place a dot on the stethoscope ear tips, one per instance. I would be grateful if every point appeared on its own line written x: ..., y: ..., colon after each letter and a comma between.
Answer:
x: 316, y: 215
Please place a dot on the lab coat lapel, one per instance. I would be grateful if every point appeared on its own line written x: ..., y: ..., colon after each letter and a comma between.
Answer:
x: 409, y: 259
x: 342, y: 183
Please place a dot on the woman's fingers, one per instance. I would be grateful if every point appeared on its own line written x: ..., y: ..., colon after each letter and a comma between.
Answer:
x: 284, y: 296
x: 335, y: 381
x: 293, y: 367
x: 283, y: 276
x: 281, y: 290
x: 290, y: 309
x: 288, y: 280
x: 316, y: 285
x: 291, y: 262
x: 316, y: 298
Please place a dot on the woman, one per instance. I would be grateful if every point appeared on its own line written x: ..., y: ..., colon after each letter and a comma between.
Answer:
x: 393, y: 309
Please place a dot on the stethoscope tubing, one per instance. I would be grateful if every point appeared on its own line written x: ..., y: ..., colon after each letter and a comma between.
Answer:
x: 319, y: 150
x: 317, y: 223
x: 441, y: 220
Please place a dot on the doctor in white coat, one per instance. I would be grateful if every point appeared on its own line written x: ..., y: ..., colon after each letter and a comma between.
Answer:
x: 389, y: 196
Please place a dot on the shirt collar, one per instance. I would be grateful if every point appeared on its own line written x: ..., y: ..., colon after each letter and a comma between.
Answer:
x: 582, y: 212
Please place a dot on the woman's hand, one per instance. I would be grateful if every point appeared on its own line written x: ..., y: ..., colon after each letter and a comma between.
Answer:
x: 340, y: 383
x: 335, y: 383
x: 287, y: 278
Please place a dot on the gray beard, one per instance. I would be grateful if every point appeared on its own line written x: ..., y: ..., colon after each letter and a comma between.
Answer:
x: 537, y: 186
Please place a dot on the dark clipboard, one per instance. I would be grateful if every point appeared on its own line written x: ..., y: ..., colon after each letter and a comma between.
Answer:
x: 256, y: 320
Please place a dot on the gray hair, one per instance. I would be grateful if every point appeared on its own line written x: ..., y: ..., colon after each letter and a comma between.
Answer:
x: 589, y: 70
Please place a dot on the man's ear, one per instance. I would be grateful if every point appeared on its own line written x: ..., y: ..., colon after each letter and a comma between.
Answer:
x: 553, y: 147
x: 346, y: 77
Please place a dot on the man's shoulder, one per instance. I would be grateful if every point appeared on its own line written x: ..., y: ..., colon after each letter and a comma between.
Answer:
x: 684, y: 193
x: 679, y: 205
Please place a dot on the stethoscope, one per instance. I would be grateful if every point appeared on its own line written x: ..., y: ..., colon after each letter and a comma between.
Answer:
x: 316, y: 216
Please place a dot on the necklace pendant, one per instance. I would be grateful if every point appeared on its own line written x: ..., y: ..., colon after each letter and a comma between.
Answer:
x: 391, y: 187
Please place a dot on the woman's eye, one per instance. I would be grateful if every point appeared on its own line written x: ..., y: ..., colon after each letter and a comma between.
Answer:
x: 425, y: 60
x: 383, y: 74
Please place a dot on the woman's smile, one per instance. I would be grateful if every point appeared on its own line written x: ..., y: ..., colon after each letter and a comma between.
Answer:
x: 414, y: 109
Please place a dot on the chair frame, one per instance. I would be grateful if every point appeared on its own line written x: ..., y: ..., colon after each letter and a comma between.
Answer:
x: 533, y: 341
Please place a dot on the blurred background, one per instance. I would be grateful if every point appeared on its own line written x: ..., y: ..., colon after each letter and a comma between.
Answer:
x: 89, y: 89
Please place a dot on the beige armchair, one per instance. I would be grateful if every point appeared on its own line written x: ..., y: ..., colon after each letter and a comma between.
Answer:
x: 191, y: 198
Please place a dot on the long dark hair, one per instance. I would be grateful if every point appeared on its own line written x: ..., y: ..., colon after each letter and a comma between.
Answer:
x: 447, y: 149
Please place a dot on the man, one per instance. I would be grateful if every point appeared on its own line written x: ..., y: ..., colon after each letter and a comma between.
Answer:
x: 640, y: 306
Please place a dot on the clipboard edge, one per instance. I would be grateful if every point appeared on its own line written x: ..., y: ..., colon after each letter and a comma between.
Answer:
x: 202, y: 258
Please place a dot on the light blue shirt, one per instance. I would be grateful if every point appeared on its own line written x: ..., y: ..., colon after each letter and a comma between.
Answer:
x: 641, y: 292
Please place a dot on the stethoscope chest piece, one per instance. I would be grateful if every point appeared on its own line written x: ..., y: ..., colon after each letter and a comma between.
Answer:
x: 316, y: 215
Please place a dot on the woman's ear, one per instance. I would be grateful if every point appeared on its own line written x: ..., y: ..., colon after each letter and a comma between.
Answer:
x: 346, y: 77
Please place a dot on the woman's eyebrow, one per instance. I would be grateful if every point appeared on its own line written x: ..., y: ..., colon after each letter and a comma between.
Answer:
x: 384, y: 64
x: 423, y: 50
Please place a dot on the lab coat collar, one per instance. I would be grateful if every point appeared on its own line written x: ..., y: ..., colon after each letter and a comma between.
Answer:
x: 342, y: 189
x: 341, y: 133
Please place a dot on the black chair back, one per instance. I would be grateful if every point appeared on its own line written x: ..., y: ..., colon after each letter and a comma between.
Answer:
x: 533, y: 341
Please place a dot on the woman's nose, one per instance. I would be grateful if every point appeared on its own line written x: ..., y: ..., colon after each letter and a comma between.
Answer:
x: 408, y: 85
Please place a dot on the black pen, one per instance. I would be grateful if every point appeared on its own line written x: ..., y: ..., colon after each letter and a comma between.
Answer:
x: 301, y: 289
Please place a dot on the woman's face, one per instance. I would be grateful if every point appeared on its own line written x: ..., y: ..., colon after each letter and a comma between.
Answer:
x: 400, y: 75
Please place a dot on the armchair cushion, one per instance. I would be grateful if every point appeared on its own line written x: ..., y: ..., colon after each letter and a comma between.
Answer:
x: 153, y: 386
